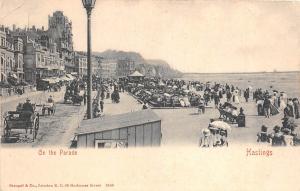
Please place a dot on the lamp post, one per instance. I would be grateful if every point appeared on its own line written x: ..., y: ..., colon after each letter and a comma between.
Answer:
x: 89, y: 5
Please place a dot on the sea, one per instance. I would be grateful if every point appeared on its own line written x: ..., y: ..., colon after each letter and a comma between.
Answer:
x: 288, y: 82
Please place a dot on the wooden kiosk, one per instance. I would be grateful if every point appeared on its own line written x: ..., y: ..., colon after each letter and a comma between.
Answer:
x: 135, y: 129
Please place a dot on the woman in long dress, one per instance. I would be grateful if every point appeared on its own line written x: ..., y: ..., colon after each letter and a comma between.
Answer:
x: 282, y: 98
x: 236, y: 94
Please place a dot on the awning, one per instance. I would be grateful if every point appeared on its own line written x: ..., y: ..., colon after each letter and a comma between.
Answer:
x: 65, y: 78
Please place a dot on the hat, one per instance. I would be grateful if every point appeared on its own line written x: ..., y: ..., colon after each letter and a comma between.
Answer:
x: 264, y: 128
x: 206, y: 132
x: 286, y: 130
x: 276, y: 127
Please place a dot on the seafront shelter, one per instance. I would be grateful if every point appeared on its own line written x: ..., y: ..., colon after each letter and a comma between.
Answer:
x: 135, y: 129
x: 136, y: 77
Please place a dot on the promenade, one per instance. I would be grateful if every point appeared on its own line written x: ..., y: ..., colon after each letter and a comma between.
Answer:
x: 180, y: 127
x: 58, y: 130
x: 183, y: 127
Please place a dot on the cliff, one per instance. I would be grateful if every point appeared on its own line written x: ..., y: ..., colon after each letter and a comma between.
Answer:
x: 154, y: 68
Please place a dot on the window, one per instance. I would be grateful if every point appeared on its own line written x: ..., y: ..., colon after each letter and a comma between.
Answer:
x: 110, y: 144
x: 2, y: 59
x: 11, y: 63
x: 2, y: 41
x: 7, y: 62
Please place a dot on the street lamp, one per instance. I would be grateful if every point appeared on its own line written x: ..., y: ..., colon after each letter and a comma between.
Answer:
x: 89, y: 5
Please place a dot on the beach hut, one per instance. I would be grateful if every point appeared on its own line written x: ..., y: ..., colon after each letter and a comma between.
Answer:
x: 136, y: 77
x: 135, y: 129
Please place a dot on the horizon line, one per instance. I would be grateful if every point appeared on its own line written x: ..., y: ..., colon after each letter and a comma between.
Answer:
x: 241, y: 72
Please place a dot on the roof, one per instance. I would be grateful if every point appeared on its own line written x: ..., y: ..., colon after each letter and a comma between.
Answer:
x: 136, y: 74
x: 117, y: 121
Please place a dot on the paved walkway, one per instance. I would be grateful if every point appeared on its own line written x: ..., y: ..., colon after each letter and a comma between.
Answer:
x: 127, y: 104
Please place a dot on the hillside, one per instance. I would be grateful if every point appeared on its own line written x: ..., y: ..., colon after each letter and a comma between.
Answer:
x: 158, y: 68
x: 121, y: 55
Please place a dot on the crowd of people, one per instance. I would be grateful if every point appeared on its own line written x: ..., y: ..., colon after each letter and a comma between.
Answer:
x: 106, y: 89
x: 280, y: 136
x: 157, y: 92
x: 180, y: 93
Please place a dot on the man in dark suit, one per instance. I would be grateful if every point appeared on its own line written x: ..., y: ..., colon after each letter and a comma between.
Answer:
x: 27, y: 106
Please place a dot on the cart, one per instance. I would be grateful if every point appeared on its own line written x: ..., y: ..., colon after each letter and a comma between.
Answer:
x: 50, y: 107
x: 21, y: 120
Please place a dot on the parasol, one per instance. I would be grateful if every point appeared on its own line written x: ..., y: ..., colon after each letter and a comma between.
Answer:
x: 221, y: 125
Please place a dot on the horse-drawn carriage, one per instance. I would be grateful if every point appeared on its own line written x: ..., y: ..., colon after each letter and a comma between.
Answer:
x: 20, y: 120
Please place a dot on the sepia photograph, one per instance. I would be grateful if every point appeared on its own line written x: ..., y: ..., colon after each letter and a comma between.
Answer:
x: 149, y: 80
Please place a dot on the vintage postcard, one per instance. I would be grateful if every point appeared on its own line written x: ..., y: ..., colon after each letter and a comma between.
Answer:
x: 106, y: 95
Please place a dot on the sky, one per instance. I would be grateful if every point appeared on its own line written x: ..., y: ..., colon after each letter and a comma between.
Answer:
x: 192, y: 36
